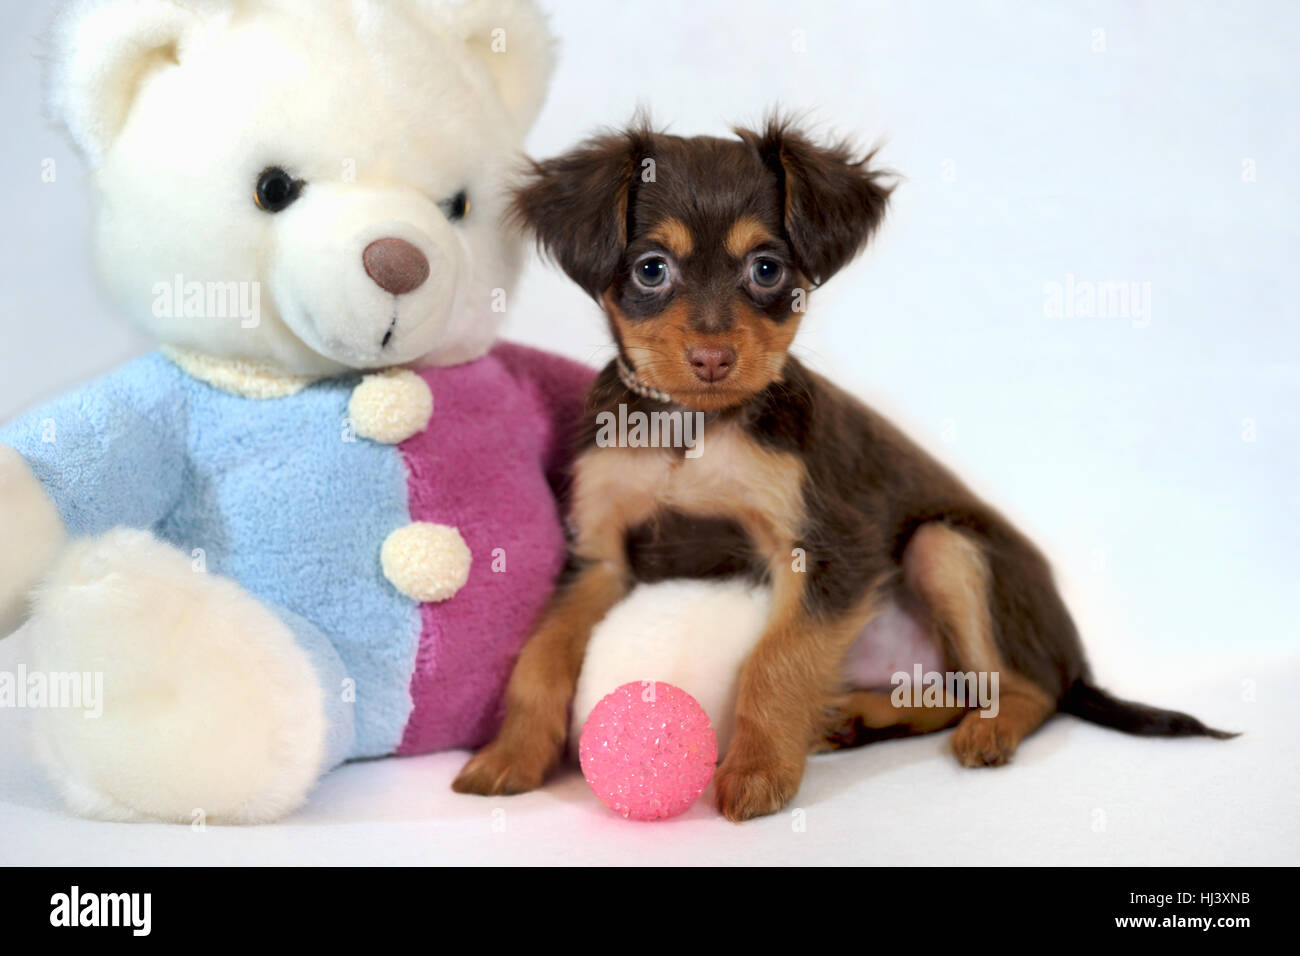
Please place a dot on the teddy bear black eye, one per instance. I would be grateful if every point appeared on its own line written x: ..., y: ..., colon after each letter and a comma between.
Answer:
x: 276, y: 189
x: 457, y: 207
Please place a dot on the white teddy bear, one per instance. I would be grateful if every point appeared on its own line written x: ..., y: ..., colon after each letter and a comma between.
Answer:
x: 274, y: 560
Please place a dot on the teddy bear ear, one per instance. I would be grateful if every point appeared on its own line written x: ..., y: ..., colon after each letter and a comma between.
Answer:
x: 512, y: 39
x: 102, y: 50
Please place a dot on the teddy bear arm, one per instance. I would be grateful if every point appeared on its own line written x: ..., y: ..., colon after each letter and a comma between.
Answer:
x: 109, y: 454
x: 31, y: 533
x: 96, y: 458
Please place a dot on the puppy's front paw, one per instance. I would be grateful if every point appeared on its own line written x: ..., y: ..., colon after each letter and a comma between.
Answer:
x: 747, y: 788
x: 499, y: 769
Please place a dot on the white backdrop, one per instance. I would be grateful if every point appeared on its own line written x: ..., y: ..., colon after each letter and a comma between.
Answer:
x: 1153, y: 456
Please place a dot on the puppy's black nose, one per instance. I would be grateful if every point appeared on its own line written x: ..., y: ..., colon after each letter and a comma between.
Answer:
x: 711, y: 365
x: 396, y: 266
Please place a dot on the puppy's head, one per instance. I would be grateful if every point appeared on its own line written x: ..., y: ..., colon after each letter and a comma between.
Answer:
x: 703, y: 250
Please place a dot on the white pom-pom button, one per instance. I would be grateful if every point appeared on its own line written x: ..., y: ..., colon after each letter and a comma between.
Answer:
x: 425, y: 561
x: 391, y: 406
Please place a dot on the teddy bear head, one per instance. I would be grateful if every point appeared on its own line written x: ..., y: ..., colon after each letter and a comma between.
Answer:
x: 317, y: 186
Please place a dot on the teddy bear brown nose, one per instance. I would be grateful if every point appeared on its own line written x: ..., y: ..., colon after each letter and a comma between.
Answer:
x: 711, y: 365
x: 395, y: 265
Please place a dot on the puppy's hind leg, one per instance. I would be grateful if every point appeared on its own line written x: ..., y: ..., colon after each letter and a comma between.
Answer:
x: 863, y: 717
x: 948, y: 571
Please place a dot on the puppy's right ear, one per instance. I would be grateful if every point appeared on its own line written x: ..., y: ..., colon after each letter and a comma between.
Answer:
x: 577, y: 205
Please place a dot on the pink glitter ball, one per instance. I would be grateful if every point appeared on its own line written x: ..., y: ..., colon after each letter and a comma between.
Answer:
x: 648, y: 750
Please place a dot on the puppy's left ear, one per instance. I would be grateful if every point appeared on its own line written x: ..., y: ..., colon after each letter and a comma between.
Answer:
x: 834, y: 199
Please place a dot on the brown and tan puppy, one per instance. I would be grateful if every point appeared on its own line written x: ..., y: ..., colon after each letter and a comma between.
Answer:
x: 702, y: 252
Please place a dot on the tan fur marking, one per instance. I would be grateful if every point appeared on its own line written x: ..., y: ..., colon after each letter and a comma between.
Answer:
x: 616, y: 489
x: 657, y: 348
x: 674, y: 235
x: 779, y: 707
x: 738, y: 478
x: 950, y: 573
x: 744, y: 235
x: 876, y: 710
x: 992, y: 741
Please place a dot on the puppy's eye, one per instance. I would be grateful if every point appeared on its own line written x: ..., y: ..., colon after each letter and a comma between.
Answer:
x: 457, y: 207
x: 766, y: 271
x: 651, y: 272
x: 276, y: 189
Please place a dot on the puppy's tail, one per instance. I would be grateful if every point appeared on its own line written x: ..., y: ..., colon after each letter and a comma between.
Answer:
x: 1095, y: 705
